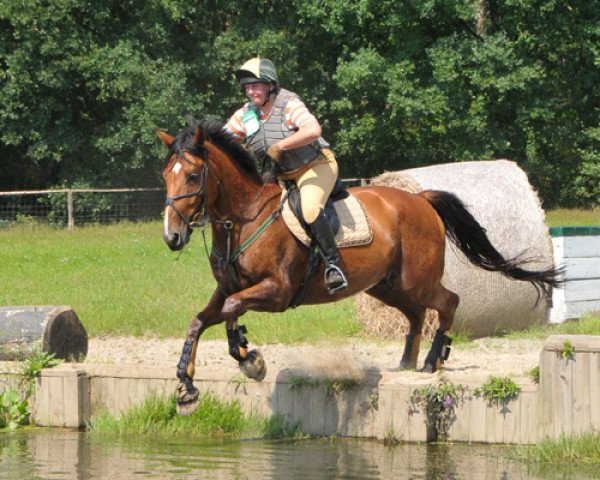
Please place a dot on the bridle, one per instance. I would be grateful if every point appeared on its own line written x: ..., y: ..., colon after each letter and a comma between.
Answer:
x: 227, y: 259
x: 192, y: 221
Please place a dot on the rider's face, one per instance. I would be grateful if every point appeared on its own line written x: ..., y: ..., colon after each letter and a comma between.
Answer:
x: 258, y: 93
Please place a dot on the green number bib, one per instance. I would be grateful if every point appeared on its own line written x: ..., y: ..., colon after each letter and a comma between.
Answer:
x: 250, y: 121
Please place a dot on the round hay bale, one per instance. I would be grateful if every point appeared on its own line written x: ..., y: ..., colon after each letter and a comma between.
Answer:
x: 500, y: 197
x: 382, y: 321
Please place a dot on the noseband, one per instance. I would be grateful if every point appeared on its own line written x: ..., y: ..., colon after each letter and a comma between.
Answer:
x: 192, y: 221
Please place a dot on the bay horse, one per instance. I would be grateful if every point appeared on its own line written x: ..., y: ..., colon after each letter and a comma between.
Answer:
x: 259, y: 265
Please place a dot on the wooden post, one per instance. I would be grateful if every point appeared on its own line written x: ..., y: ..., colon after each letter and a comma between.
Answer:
x: 62, y: 397
x: 70, y: 211
x: 53, y: 329
x: 569, y: 385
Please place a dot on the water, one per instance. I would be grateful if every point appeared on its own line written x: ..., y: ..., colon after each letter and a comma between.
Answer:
x: 58, y: 455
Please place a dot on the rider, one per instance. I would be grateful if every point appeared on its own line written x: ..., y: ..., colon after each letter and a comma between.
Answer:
x: 277, y: 124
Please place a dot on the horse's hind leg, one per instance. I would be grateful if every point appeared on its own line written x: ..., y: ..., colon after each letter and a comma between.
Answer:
x: 415, y: 314
x: 446, y: 303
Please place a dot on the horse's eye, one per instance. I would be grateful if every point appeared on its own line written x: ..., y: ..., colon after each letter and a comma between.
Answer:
x: 193, y: 178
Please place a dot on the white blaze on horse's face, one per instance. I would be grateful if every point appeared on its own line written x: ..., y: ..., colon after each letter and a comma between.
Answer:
x: 166, y: 222
x: 174, y: 171
x: 183, y: 177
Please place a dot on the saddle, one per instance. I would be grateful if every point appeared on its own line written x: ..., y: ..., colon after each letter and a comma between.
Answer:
x: 348, y: 219
x: 339, y: 192
x: 344, y: 211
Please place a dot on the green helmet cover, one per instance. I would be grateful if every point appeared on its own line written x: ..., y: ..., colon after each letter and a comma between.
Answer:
x: 257, y: 70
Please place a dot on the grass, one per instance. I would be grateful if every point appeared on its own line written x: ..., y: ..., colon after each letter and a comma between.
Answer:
x: 566, y: 217
x: 584, y: 449
x: 213, y: 419
x: 589, y: 325
x: 123, y: 280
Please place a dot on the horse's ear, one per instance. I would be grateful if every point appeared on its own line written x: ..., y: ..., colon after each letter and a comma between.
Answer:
x: 165, y: 137
x: 199, y: 136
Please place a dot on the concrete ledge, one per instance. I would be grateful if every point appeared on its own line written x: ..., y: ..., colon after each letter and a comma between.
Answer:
x: 380, y: 407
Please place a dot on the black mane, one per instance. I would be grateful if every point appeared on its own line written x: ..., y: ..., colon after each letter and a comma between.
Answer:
x: 184, y: 142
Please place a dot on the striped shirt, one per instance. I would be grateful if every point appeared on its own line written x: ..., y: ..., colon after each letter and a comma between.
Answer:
x: 295, y: 113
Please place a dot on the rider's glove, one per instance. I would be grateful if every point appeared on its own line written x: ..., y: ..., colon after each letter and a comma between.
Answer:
x: 275, y: 152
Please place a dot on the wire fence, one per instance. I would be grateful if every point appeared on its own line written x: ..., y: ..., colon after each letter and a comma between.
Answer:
x: 76, y: 207
x: 71, y: 207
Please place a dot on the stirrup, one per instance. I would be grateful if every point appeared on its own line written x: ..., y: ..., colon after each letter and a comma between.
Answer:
x: 339, y: 283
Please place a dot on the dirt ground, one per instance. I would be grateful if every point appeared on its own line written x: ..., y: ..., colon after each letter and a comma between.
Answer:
x: 483, y: 357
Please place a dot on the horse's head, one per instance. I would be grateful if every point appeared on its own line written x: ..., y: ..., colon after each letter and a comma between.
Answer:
x: 189, y: 189
x: 185, y: 177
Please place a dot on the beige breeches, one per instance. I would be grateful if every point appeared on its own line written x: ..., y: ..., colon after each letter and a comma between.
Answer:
x: 315, y: 184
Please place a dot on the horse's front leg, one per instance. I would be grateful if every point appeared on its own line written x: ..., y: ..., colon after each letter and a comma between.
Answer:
x: 187, y: 394
x: 264, y: 296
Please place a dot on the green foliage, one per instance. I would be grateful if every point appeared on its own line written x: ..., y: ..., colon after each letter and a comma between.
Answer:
x: 498, y: 390
x: 213, y: 419
x: 14, y: 403
x: 439, y: 401
x: 96, y: 206
x: 339, y: 385
x: 534, y: 373
x: 83, y: 84
x: 297, y: 382
x: 37, y: 361
x: 277, y: 427
x: 461, y: 337
x: 14, y: 411
x: 332, y: 385
x: 568, y: 350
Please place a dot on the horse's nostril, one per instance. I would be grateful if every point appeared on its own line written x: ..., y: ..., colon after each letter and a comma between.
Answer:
x: 175, y: 239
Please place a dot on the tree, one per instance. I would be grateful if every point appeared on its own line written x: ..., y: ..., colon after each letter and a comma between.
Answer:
x: 395, y: 83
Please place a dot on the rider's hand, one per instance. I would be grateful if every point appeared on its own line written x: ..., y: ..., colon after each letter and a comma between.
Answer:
x: 275, y: 152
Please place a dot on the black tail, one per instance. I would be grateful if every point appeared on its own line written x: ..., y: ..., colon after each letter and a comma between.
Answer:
x: 468, y: 235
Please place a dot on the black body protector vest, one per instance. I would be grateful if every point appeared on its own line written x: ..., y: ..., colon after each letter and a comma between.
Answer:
x: 275, y: 129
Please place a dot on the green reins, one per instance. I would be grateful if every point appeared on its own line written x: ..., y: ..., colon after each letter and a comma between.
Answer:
x: 228, y: 260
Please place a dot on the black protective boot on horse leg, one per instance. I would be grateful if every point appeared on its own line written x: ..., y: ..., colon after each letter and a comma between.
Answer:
x: 252, y: 363
x: 335, y: 280
x: 187, y: 394
x: 439, y: 352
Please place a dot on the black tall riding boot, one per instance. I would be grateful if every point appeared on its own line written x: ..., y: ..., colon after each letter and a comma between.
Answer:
x: 335, y: 280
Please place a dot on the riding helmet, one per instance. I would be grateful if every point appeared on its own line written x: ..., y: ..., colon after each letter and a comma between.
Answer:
x: 257, y: 70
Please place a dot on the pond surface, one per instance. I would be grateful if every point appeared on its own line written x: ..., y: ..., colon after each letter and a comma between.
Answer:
x: 59, y: 455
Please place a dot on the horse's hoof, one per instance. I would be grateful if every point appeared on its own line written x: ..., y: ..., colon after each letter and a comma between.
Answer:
x: 254, y: 366
x: 187, y: 400
x: 428, y: 368
x: 407, y: 366
x: 185, y: 409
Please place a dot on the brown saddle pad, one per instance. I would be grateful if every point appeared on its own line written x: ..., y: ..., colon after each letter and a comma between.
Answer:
x: 355, y: 226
